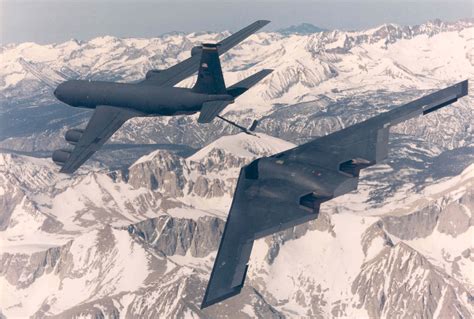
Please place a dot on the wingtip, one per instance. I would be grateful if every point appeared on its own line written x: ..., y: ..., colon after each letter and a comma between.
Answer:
x: 207, y: 302
x: 464, y: 87
x: 265, y: 72
x: 204, y: 305
x: 66, y: 171
x: 263, y: 22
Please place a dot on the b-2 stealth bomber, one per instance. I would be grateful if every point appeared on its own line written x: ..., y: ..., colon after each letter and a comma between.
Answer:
x: 115, y: 103
x: 286, y: 189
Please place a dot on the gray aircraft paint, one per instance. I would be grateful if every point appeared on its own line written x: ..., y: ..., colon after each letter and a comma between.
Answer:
x: 115, y: 103
x: 146, y: 98
x: 286, y: 189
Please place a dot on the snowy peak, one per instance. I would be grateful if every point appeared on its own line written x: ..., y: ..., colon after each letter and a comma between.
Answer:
x: 340, y: 74
x: 399, y: 275
x: 368, y: 270
x: 206, y: 178
x: 140, y: 241
x: 391, y: 33
x: 229, y: 153
x: 93, y: 265
x: 128, y: 59
x: 178, y: 236
x: 243, y: 145
x: 303, y: 28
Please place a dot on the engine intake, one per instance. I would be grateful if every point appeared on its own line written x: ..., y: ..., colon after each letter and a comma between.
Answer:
x: 73, y: 136
x: 61, y: 156
x: 150, y: 74
x: 352, y: 167
x: 312, y: 201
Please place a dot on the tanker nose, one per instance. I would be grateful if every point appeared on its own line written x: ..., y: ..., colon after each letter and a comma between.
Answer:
x: 58, y: 93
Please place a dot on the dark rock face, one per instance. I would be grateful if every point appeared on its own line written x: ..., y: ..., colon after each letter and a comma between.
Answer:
x: 373, y: 232
x: 23, y: 269
x: 394, y: 281
x: 172, y: 176
x: 417, y: 225
x: 171, y: 236
x: 165, y: 172
x: 99, y: 309
x: 382, y: 289
x: 452, y: 217
x: 457, y: 216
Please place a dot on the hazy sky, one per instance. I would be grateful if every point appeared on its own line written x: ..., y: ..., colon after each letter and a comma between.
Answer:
x: 46, y: 21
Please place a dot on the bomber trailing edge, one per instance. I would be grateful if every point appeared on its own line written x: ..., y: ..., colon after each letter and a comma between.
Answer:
x: 286, y: 189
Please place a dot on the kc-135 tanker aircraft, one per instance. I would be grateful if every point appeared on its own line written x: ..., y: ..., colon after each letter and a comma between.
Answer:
x: 115, y: 103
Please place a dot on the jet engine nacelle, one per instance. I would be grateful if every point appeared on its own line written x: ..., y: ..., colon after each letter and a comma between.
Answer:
x: 152, y: 73
x: 61, y: 156
x: 299, y: 175
x: 73, y: 136
x: 274, y: 167
x: 196, y: 50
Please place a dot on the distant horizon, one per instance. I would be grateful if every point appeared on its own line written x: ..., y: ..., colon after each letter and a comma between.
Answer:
x: 214, y: 31
x: 53, y: 21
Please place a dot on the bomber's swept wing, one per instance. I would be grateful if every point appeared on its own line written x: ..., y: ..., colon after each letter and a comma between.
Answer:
x: 102, y: 125
x: 286, y: 189
x: 188, y: 67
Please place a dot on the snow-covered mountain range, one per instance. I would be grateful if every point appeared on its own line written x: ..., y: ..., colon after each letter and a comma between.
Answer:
x: 130, y: 236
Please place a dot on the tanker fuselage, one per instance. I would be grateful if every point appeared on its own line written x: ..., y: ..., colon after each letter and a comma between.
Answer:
x: 146, y: 98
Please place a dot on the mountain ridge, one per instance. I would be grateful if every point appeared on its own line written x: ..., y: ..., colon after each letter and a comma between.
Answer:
x: 181, y: 247
x: 134, y: 232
